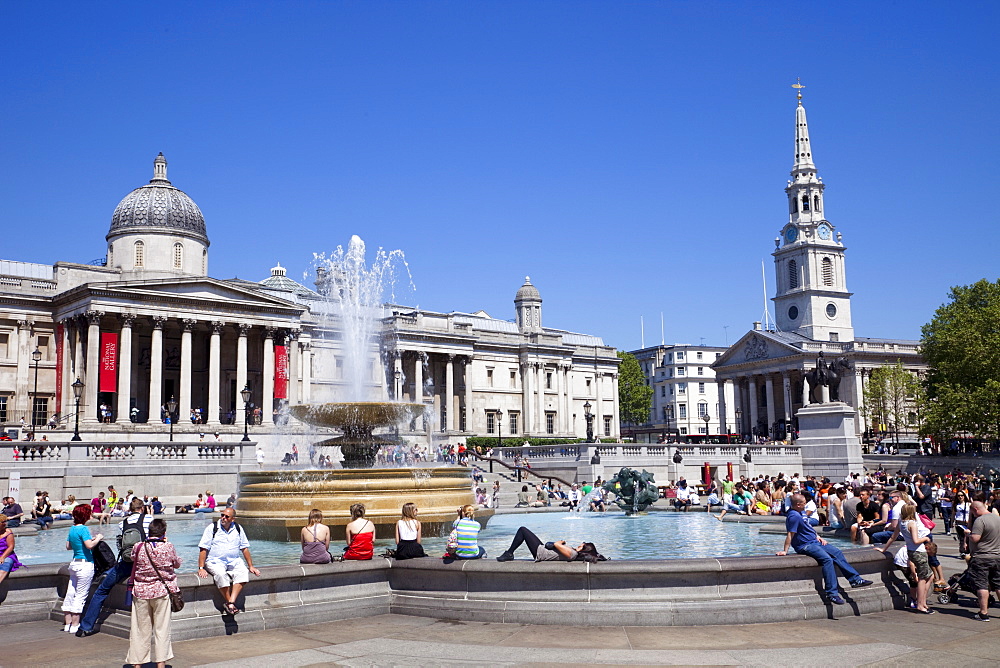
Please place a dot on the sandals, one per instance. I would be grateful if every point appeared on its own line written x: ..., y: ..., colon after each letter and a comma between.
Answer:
x: 232, y: 609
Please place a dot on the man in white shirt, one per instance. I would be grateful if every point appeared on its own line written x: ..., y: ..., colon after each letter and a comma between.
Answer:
x: 219, y: 552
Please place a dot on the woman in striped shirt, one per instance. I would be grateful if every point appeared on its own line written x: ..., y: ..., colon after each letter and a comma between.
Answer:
x: 467, y: 530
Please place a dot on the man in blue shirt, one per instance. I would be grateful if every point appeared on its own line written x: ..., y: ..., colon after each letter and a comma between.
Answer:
x: 802, y: 537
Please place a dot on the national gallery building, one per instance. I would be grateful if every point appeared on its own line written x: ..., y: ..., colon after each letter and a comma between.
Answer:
x: 147, y: 328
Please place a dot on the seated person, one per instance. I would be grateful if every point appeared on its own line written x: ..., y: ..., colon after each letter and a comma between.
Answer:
x: 66, y: 509
x: 466, y: 531
x: 360, y: 535
x: 597, y: 501
x: 541, y: 497
x: 556, y: 551
x: 740, y: 505
x: 683, y: 499
x: 41, y: 513
x: 523, y: 497
x: 156, y: 505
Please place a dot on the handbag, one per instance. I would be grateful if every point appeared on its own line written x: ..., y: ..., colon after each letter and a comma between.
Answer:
x: 927, y: 522
x: 176, y: 600
x: 452, y: 545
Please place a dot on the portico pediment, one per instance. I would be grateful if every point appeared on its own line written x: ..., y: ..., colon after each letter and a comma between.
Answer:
x: 754, y: 347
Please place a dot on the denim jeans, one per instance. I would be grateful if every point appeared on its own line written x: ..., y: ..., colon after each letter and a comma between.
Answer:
x: 827, y: 556
x: 117, y: 573
x: 948, y: 515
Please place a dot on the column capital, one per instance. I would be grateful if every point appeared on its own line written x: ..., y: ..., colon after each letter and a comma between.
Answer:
x: 466, y: 359
x: 127, y: 319
x: 243, y: 328
x: 159, y: 321
x: 451, y: 357
x: 217, y: 326
x: 292, y: 334
x: 188, y: 324
x: 422, y: 356
x: 270, y: 331
x: 25, y: 322
x: 94, y: 317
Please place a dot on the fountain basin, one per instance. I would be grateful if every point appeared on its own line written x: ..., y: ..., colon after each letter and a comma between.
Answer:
x: 274, y: 505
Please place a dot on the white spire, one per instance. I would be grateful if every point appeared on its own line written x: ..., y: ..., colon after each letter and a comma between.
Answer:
x: 160, y: 168
x: 803, y: 151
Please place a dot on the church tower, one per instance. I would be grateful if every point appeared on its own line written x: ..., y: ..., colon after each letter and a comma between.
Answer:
x: 811, y: 297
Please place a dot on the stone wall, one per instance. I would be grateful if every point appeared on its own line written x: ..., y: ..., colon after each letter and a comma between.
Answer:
x: 679, y: 592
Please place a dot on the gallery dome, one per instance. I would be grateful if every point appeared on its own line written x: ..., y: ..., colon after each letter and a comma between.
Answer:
x: 528, y: 292
x: 158, y: 207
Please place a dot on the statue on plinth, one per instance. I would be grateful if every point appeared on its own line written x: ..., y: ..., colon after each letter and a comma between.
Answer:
x: 635, y: 491
x: 826, y: 375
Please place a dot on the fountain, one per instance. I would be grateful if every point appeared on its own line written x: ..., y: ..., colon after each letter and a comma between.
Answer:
x: 274, y: 504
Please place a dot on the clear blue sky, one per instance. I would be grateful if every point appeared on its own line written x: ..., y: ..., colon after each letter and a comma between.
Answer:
x: 629, y: 156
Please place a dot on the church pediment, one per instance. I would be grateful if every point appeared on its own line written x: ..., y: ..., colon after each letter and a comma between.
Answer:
x: 756, y: 346
x: 187, y: 292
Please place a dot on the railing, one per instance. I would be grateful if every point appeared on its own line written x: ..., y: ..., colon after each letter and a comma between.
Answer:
x: 518, y: 469
x: 43, y: 451
x: 642, y: 450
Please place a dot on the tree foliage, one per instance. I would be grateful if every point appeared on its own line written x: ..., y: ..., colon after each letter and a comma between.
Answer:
x: 634, y: 396
x: 891, y: 395
x: 961, y: 344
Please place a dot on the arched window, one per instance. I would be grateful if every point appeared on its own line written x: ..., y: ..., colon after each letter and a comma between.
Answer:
x: 827, y: 271
x: 178, y: 255
x: 793, y: 204
x: 204, y: 262
x: 815, y: 202
x: 140, y: 254
x: 793, y: 274
x: 805, y: 203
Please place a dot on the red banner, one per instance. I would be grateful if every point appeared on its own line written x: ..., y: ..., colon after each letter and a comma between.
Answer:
x: 60, y: 332
x: 108, y: 376
x: 280, y: 372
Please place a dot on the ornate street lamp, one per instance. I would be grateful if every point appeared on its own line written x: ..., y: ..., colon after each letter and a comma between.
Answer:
x: 77, y: 386
x: 589, y: 417
x: 499, y: 424
x: 707, y: 418
x: 739, y: 422
x: 36, y: 357
x: 245, y: 395
x: 171, y: 407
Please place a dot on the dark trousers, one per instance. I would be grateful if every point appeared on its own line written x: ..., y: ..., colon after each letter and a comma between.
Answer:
x: 525, y: 535
x: 117, y: 573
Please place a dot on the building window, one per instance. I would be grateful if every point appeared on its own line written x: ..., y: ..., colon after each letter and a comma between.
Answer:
x: 682, y: 411
x: 682, y: 388
x: 793, y: 274
x: 805, y: 204
x: 680, y: 355
x: 671, y: 390
x: 607, y: 425
x: 40, y: 411
x: 513, y: 421
x: 701, y: 371
x: 669, y: 357
x: 489, y: 377
x: 698, y: 355
x: 178, y: 255
x: 513, y: 379
x: 680, y: 371
x: 663, y: 390
x: 701, y: 388
x: 550, y: 423
x: 3, y: 408
x: 684, y: 431
x: 834, y: 336
x: 548, y: 380
x: 491, y: 423
x: 816, y: 202
x: 140, y: 254
x: 4, y: 343
x: 702, y: 430
x: 702, y: 409
x: 588, y: 383
x: 827, y: 271
x: 339, y: 374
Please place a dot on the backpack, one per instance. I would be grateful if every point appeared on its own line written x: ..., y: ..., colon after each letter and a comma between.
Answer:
x: 104, y: 558
x: 132, y: 535
x: 215, y: 528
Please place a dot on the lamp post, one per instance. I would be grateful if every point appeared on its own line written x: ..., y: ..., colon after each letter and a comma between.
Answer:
x: 245, y: 395
x: 36, y: 357
x: 707, y: 418
x: 589, y: 417
x: 171, y: 407
x: 739, y: 422
x: 77, y: 386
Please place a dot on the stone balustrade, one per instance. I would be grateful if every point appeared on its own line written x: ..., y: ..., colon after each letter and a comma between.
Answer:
x: 732, y: 590
x: 42, y: 452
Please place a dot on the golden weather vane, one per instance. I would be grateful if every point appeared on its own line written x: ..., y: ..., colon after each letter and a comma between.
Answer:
x: 798, y: 86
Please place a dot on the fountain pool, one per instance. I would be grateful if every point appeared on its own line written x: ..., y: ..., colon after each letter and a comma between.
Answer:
x: 658, y: 535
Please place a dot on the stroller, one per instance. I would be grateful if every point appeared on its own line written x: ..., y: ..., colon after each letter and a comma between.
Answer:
x: 959, y: 581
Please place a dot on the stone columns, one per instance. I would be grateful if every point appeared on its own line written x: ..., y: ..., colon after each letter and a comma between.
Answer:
x: 306, y: 369
x: 599, y: 407
x: 397, y: 375
x: 752, y: 391
x: 560, y: 399
x: 67, y: 373
x: 267, y: 393
x: 541, y: 398
x: 720, y: 385
x: 771, y: 415
x: 418, y: 386
x: 214, y: 371
x: 22, y: 402
x: 527, y: 378
x: 786, y: 385
x: 858, y: 388
x: 568, y: 426
x: 294, y: 367
x: 449, y: 392
x: 615, y: 419
x: 156, y: 369
x: 241, y: 367
x: 93, y: 364
x: 184, y: 400
x: 125, y: 367
x: 467, y: 379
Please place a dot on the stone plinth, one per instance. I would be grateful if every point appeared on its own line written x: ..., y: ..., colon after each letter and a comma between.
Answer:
x: 827, y: 440
x: 275, y: 504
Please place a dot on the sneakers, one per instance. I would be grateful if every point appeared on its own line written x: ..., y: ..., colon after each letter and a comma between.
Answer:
x: 80, y: 633
x: 836, y: 599
x: 860, y: 583
x: 506, y: 556
x: 981, y: 618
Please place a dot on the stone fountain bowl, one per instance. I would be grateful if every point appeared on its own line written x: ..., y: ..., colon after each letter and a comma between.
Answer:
x: 358, y: 415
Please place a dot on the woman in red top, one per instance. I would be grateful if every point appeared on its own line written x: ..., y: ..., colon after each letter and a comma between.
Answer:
x: 149, y: 638
x: 360, y: 535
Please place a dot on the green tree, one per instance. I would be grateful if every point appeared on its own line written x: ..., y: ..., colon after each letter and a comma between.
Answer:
x: 634, y: 396
x: 891, y: 396
x: 961, y: 344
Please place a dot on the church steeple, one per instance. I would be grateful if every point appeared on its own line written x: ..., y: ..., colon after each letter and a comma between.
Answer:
x: 811, y: 296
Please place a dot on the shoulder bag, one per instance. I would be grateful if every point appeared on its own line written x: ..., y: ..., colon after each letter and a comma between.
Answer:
x: 176, y: 600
